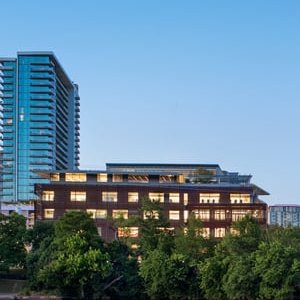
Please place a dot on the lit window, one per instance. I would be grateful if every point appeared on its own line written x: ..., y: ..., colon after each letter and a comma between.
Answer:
x: 220, y: 214
x: 120, y: 213
x: 174, y: 215
x: 259, y: 214
x: 48, y: 195
x: 239, y: 214
x: 240, y: 198
x: 153, y: 214
x: 97, y: 213
x: 102, y: 177
x: 77, y: 177
x: 78, y: 196
x: 138, y: 178
x: 110, y: 196
x: 156, y: 197
x: 209, y: 198
x: 99, y: 229
x: 219, y: 232
x: 54, y: 176
x: 205, y: 232
x: 180, y: 179
x: 117, y: 178
x: 185, y: 215
x: 185, y: 198
x: 202, y: 214
x: 133, y: 197
x: 132, y: 232
x: 234, y: 231
x: 49, y: 213
x: 174, y: 197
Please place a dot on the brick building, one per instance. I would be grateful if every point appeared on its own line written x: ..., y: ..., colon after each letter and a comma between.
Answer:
x: 215, y: 196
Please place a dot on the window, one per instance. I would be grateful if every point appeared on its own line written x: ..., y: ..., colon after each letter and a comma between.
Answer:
x: 240, y: 198
x: 78, y: 196
x: 133, y: 197
x: 234, y: 231
x: 174, y: 215
x: 49, y: 213
x: 209, y: 198
x: 239, y: 214
x: 202, y: 214
x: 180, y: 179
x: 154, y: 214
x: 219, y: 232
x: 54, y: 177
x: 174, y: 197
x: 77, y: 177
x: 48, y: 195
x: 120, y: 213
x: 220, y: 214
x: 185, y: 198
x: 102, y: 177
x: 117, y: 178
x: 138, y: 178
x: 97, y: 213
x: 110, y: 196
x: 185, y: 215
x: 205, y: 232
x: 156, y: 197
x: 99, y: 229
x: 132, y: 232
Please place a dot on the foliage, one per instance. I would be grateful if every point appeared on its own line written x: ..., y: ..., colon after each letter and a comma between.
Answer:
x: 71, y: 259
x: 12, y: 239
x: 39, y: 232
x: 154, y: 228
x: 228, y: 274
x: 123, y: 281
x: 69, y: 256
x: 278, y: 267
x: 74, y: 267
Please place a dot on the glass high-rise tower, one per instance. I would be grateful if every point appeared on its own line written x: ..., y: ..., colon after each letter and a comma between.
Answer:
x: 39, y: 122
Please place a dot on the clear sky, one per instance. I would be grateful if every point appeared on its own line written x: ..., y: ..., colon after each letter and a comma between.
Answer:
x: 177, y: 81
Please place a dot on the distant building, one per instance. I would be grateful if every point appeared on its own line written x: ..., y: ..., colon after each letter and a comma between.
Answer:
x: 39, y: 123
x: 215, y: 196
x: 284, y: 215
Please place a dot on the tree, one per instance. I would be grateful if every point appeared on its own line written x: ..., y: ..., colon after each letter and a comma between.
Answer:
x: 229, y: 274
x: 40, y: 231
x: 74, y: 222
x: 153, y: 229
x: 72, y: 260
x: 12, y: 240
x: 75, y: 266
x: 278, y: 267
x: 193, y: 248
x: 240, y: 282
x: 123, y: 281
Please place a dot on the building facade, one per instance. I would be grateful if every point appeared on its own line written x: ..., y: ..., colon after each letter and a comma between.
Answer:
x: 213, y: 195
x: 284, y: 215
x: 39, y: 122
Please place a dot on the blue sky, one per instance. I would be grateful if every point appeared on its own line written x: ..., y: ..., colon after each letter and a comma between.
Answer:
x: 177, y: 81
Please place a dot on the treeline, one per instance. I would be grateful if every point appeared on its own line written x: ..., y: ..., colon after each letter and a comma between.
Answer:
x: 68, y: 258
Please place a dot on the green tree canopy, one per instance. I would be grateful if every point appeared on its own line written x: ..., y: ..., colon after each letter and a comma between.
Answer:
x: 12, y: 240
